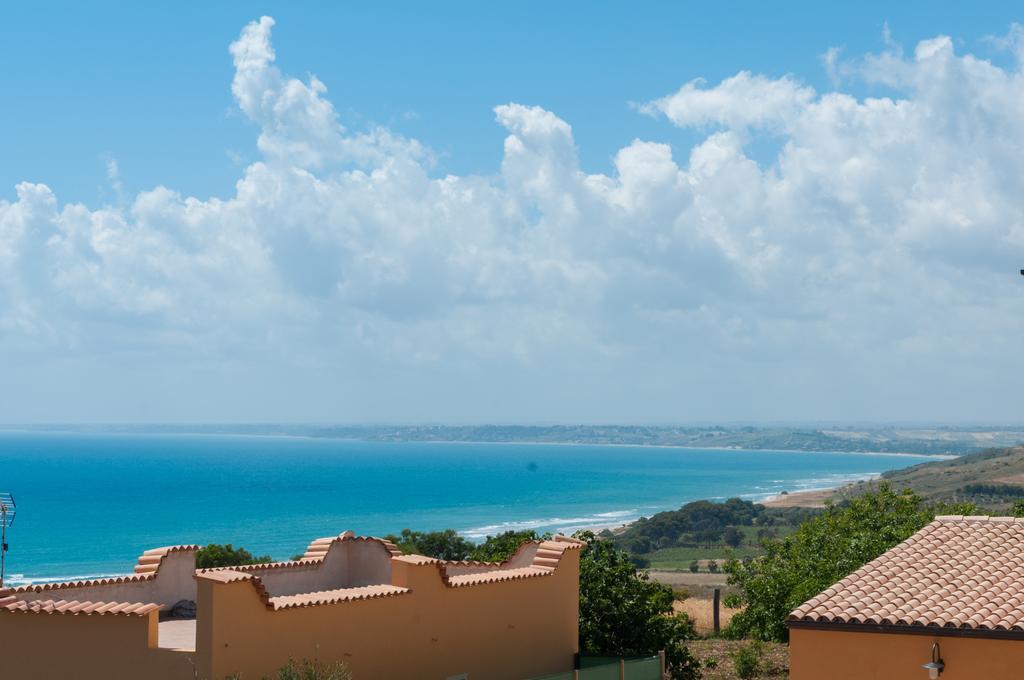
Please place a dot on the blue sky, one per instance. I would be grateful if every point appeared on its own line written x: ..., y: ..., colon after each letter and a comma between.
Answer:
x: 146, y: 83
x: 533, y: 213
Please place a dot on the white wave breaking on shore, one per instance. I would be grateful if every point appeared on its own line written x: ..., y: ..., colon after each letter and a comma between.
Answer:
x: 564, y: 525
x: 18, y: 580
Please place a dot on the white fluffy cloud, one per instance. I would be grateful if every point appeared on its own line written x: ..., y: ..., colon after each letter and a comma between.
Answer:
x: 880, y: 243
x: 742, y: 101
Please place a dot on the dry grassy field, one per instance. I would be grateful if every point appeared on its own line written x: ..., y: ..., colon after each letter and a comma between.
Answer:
x: 701, y: 612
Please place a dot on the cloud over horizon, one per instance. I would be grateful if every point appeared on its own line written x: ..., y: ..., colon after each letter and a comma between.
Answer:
x: 866, y: 270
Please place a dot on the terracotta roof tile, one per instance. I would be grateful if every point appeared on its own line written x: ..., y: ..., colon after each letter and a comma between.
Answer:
x: 957, y: 572
x: 495, y: 576
x: 74, y: 607
x: 335, y: 596
x: 225, y: 575
x: 302, y: 599
x: 417, y: 559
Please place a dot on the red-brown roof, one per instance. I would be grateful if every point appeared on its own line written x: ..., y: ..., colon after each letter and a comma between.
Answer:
x: 335, y: 596
x: 13, y: 604
x: 495, y: 576
x: 957, y: 573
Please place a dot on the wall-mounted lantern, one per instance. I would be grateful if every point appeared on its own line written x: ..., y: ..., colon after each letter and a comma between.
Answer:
x: 936, y: 665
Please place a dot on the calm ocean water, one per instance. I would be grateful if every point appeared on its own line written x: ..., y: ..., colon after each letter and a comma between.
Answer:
x: 90, y: 504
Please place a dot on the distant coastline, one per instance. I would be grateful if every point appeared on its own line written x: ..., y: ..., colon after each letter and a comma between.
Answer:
x: 935, y: 456
x: 934, y: 441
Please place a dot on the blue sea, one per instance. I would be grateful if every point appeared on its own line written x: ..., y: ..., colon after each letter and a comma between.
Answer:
x: 89, y: 504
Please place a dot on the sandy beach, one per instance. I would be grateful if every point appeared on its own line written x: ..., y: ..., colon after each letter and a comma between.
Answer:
x: 813, y: 498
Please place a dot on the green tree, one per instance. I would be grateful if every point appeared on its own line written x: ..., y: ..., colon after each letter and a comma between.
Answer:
x: 444, y: 545
x: 732, y: 537
x: 623, y: 612
x: 216, y: 555
x: 1018, y: 508
x: 822, y: 551
x: 501, y: 547
x: 694, y: 566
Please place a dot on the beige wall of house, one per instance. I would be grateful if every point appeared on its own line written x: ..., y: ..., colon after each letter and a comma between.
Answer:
x: 840, y: 655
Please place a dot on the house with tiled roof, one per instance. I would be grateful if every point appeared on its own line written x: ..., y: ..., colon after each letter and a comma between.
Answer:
x: 352, y: 599
x: 948, y: 602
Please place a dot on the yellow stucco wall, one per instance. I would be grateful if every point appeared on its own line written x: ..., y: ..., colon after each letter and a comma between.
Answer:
x: 509, y: 630
x: 50, y: 646
x: 505, y: 630
x: 835, y: 655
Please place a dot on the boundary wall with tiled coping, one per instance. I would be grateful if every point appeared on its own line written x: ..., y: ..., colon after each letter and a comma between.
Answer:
x: 349, y: 599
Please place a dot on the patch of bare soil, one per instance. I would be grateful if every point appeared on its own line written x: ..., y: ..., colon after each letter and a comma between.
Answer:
x: 716, y: 664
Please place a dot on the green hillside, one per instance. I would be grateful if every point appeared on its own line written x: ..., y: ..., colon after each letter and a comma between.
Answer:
x: 991, y: 479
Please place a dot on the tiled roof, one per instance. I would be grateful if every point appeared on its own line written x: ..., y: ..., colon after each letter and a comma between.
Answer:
x: 417, y: 559
x: 226, y: 575
x: 495, y: 576
x: 963, y: 573
x: 335, y: 596
x: 146, y: 569
x: 302, y: 599
x: 11, y: 603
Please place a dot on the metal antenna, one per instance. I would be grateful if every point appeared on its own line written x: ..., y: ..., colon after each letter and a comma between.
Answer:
x: 8, y: 508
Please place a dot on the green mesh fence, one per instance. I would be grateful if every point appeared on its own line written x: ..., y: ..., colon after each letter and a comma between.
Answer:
x: 607, y: 668
x: 644, y: 669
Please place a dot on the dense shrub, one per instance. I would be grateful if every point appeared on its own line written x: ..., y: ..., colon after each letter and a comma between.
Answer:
x: 501, y: 547
x: 443, y: 545
x: 624, y: 613
x: 993, y: 490
x: 705, y: 523
x: 449, y: 545
x: 216, y: 555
